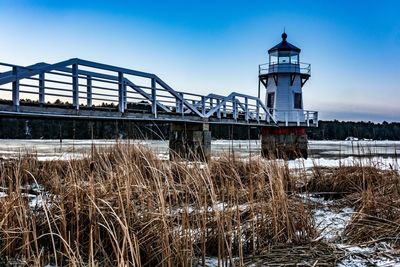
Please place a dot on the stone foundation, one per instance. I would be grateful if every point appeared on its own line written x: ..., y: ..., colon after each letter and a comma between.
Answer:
x: 191, y: 141
x: 284, y: 142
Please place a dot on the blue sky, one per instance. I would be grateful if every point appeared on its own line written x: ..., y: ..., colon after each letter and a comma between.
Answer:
x: 216, y: 46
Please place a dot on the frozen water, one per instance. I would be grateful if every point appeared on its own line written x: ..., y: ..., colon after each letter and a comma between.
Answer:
x: 378, y: 161
x: 320, y: 152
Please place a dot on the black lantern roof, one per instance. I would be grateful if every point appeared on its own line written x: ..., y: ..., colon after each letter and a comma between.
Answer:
x: 284, y: 46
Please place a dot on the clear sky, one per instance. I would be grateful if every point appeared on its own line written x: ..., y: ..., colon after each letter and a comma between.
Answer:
x: 216, y: 46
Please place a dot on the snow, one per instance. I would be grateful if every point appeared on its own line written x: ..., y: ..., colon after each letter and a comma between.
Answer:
x: 210, y: 262
x: 376, y: 255
x: 35, y: 201
x: 330, y: 223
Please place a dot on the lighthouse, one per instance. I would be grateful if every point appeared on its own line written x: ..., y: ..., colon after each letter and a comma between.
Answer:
x: 283, y: 77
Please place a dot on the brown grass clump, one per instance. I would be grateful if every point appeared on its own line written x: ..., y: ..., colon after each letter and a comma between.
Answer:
x: 378, y: 211
x: 123, y: 206
x: 344, y: 179
x: 373, y: 192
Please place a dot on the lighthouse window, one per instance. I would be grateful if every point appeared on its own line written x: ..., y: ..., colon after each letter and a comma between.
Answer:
x: 283, y: 60
x: 273, y: 58
x: 270, y: 100
x: 294, y: 59
x: 297, y: 100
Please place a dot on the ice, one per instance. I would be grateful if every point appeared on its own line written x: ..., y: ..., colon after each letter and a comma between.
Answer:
x: 380, y: 162
x: 323, y: 153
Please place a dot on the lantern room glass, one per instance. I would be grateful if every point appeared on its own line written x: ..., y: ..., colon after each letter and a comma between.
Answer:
x: 294, y: 59
x: 284, y: 57
x: 273, y: 58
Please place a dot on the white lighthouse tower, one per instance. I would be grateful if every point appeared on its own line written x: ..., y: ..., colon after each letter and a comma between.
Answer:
x: 283, y: 78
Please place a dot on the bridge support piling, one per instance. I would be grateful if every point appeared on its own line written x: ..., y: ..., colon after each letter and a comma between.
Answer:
x: 284, y: 142
x: 191, y: 141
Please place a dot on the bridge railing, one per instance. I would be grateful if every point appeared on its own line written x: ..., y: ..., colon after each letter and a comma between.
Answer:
x: 298, y: 117
x: 84, y: 84
x: 235, y: 106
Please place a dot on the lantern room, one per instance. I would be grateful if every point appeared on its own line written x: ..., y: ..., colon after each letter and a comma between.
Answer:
x: 284, y: 53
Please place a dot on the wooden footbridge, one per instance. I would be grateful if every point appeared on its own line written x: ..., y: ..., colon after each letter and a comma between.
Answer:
x: 81, y: 89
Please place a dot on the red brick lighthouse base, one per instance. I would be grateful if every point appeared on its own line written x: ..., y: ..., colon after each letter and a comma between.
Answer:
x: 284, y: 142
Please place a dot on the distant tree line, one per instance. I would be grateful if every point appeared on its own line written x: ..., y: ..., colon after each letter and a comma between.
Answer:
x: 17, y: 128
x: 340, y: 130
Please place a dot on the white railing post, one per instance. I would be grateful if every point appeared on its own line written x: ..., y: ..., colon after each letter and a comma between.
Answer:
x: 153, y: 97
x: 121, y: 104
x: 75, y: 86
x: 181, y: 104
x: 234, y: 106
x: 203, y: 105
x: 41, y: 88
x: 258, y: 109
x: 298, y: 118
x: 224, y: 109
x: 177, y: 104
x: 219, y: 109
x: 89, y: 101
x: 315, y: 119
x: 286, y: 118
x: 15, y: 89
x: 125, y: 96
x: 246, y: 107
x: 308, y: 118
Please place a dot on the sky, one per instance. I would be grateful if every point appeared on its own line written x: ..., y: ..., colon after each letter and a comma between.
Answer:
x: 216, y: 46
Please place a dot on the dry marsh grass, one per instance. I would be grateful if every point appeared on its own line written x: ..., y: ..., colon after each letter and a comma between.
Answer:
x: 373, y: 192
x: 123, y: 206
